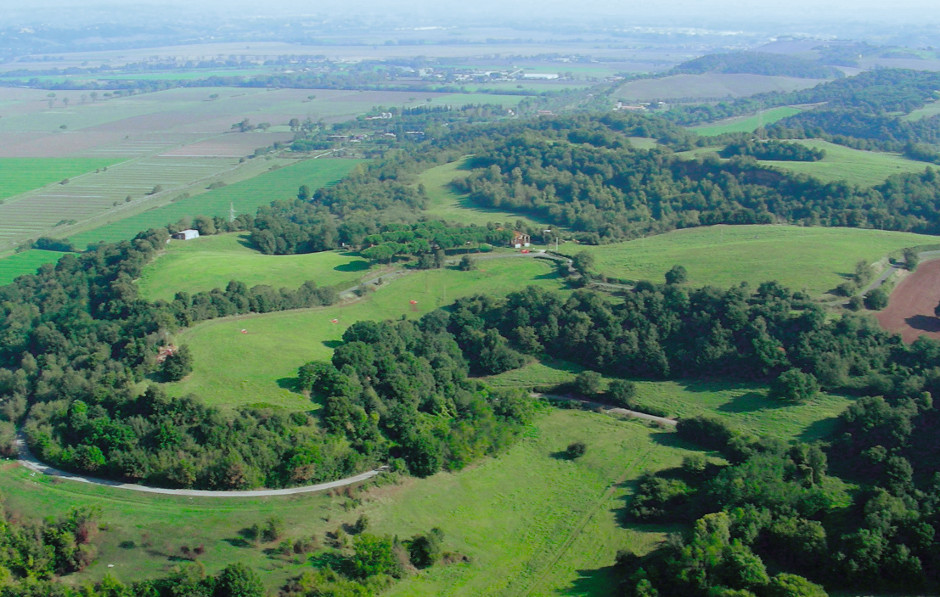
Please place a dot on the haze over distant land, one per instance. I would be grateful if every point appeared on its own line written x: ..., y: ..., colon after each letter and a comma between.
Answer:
x: 705, y: 13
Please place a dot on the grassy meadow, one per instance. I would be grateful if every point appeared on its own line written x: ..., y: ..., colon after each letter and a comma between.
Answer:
x: 445, y: 203
x: 746, y: 124
x: 232, y: 368
x: 26, y: 262
x: 817, y: 259
x: 744, y: 405
x: 212, y: 261
x: 528, y: 520
x: 246, y: 197
x: 864, y: 168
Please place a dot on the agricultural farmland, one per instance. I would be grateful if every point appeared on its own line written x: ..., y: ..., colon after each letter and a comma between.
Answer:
x: 817, y: 259
x: 746, y: 124
x: 683, y: 88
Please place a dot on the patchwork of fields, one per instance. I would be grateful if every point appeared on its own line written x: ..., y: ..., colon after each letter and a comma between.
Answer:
x: 707, y: 86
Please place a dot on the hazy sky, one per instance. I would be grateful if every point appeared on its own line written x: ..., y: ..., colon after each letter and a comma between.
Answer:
x: 710, y: 13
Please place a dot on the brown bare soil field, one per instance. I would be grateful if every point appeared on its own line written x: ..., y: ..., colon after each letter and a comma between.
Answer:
x: 910, y: 310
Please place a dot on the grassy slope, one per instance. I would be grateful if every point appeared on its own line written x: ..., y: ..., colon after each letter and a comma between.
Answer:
x: 230, y: 368
x: 746, y: 124
x: 931, y: 109
x: 745, y: 405
x: 864, y: 168
x: 246, y: 196
x: 448, y: 205
x: 513, y: 515
x: 211, y: 261
x: 26, y: 262
x: 529, y: 520
x: 18, y: 175
x: 816, y: 258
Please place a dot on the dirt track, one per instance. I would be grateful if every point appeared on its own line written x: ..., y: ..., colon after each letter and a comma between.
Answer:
x: 910, y: 310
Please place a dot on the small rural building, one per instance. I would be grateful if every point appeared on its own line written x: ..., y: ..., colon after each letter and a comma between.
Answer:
x: 188, y: 234
x: 520, y: 240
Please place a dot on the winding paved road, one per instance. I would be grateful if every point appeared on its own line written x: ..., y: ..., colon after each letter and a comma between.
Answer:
x: 29, y: 461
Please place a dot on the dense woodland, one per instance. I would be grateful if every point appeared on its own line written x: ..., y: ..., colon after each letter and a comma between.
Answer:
x: 758, y: 63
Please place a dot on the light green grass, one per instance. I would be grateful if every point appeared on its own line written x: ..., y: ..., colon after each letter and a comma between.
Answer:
x: 643, y: 143
x: 232, y: 368
x: 212, y: 261
x: 815, y: 259
x: 744, y: 405
x: 931, y: 109
x: 746, y: 124
x: 531, y: 522
x: 27, y: 262
x: 513, y: 515
x: 446, y: 204
x: 864, y: 168
x: 246, y: 196
x: 18, y: 175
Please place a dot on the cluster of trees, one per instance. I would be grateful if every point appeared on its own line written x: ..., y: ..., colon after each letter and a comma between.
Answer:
x: 775, y: 507
x: 758, y: 63
x: 431, y: 238
x: 771, y: 149
x: 42, y: 551
x: 668, y: 331
x: 401, y: 390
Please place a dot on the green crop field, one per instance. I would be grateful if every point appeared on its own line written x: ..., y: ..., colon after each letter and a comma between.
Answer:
x: 26, y: 262
x: 526, y: 519
x: 18, y: 175
x: 446, y: 204
x: 864, y: 168
x: 816, y: 259
x: 212, y: 261
x: 232, y: 368
x: 746, y: 124
x: 246, y: 196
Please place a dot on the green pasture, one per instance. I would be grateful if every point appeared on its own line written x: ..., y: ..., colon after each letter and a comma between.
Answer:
x: 864, y: 168
x: 212, y: 261
x: 745, y: 405
x: 232, y: 368
x: 246, y: 196
x: 446, y: 204
x: 643, y: 143
x: 746, y: 124
x: 26, y: 262
x: 18, y: 175
x: 931, y: 109
x: 815, y: 259
x: 527, y: 519
x: 531, y: 521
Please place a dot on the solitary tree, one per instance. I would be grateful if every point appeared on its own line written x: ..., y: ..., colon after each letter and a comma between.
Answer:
x: 582, y: 263
x: 936, y: 310
x: 876, y: 299
x: 677, y: 275
x: 178, y: 365
x: 794, y: 386
x: 911, y: 259
x: 588, y: 383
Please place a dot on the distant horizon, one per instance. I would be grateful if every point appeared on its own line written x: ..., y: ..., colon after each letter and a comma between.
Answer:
x: 704, y: 13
